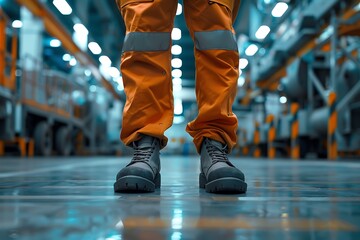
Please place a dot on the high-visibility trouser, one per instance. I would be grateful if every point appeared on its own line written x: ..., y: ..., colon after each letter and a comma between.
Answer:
x: 146, y: 69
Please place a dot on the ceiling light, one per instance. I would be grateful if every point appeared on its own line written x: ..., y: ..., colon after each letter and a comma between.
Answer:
x: 92, y: 88
x: 176, y: 73
x: 94, y: 48
x: 87, y: 72
x: 176, y: 34
x: 262, y: 32
x: 179, y: 9
x: 55, y: 43
x: 241, y: 81
x: 279, y: 9
x: 177, y: 81
x: 177, y: 120
x: 176, y: 63
x: 17, y: 24
x: 177, y: 88
x: 105, y: 60
x: 283, y: 99
x: 251, y: 50
x: 80, y: 29
x: 73, y: 62
x: 118, y: 79
x: 176, y: 50
x: 243, y: 63
x: 66, y: 57
x: 114, y: 72
x: 120, y: 87
x: 63, y: 7
x: 178, y: 107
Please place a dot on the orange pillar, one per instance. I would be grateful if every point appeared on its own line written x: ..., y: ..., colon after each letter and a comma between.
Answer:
x: 2, y: 148
x: 31, y: 148
x: 294, y: 125
x: 332, y: 125
x: 245, y: 149
x: 271, y: 136
x: 257, y: 152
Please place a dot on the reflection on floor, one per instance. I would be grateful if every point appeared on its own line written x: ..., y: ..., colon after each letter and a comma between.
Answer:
x: 58, y: 198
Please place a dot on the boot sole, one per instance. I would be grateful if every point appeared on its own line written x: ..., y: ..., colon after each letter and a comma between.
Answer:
x: 223, y: 185
x: 136, y: 184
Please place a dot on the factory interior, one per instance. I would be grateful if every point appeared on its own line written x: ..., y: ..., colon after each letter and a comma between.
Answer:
x: 298, y: 139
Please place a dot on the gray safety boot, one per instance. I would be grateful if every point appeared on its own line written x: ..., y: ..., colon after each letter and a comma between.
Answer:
x: 218, y: 174
x: 142, y: 174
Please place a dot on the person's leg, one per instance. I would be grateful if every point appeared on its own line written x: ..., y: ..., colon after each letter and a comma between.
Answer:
x: 217, y: 71
x: 146, y: 72
x: 146, y: 69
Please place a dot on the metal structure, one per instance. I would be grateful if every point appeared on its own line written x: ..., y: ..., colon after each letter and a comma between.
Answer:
x: 317, y: 69
x: 46, y: 112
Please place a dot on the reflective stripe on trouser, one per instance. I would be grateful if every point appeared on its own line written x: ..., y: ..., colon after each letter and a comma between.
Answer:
x: 146, y: 70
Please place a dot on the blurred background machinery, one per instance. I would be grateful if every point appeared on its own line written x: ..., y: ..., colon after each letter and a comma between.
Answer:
x: 302, y: 89
x: 61, y: 92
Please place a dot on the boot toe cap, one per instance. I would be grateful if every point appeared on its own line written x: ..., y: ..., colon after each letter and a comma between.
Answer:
x: 225, y: 172
x: 135, y: 171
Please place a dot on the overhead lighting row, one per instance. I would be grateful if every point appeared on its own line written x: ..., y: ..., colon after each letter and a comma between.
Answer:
x: 264, y: 30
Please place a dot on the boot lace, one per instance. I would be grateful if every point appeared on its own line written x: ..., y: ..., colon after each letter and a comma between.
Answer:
x: 141, y: 155
x: 217, y: 155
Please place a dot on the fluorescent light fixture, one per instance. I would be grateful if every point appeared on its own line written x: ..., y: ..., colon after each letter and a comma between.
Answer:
x: 176, y: 50
x: 94, y: 48
x: 176, y: 63
x: 262, y: 32
x: 55, y: 43
x: 283, y: 99
x: 176, y: 73
x: 243, y: 63
x: 80, y: 29
x: 177, y: 81
x: 87, y: 72
x: 63, y: 7
x: 251, y: 50
x: 177, y: 88
x: 177, y: 120
x: 279, y: 9
x: 66, y: 57
x: 176, y: 34
x: 114, y: 72
x: 92, y: 88
x: 17, y: 24
x: 73, y: 62
x: 105, y: 60
x: 120, y: 87
x: 241, y: 81
x: 118, y: 79
x: 179, y: 9
x: 178, y: 110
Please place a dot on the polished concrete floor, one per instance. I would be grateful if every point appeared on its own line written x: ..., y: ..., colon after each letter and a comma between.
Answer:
x: 73, y: 198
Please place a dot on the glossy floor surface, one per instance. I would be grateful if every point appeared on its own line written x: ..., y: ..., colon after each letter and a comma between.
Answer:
x: 59, y: 198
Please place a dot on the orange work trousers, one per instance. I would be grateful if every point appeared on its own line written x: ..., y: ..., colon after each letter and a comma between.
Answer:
x: 146, y: 68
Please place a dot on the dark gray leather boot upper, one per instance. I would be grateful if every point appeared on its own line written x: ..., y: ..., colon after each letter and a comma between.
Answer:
x: 218, y: 174
x: 143, y: 172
